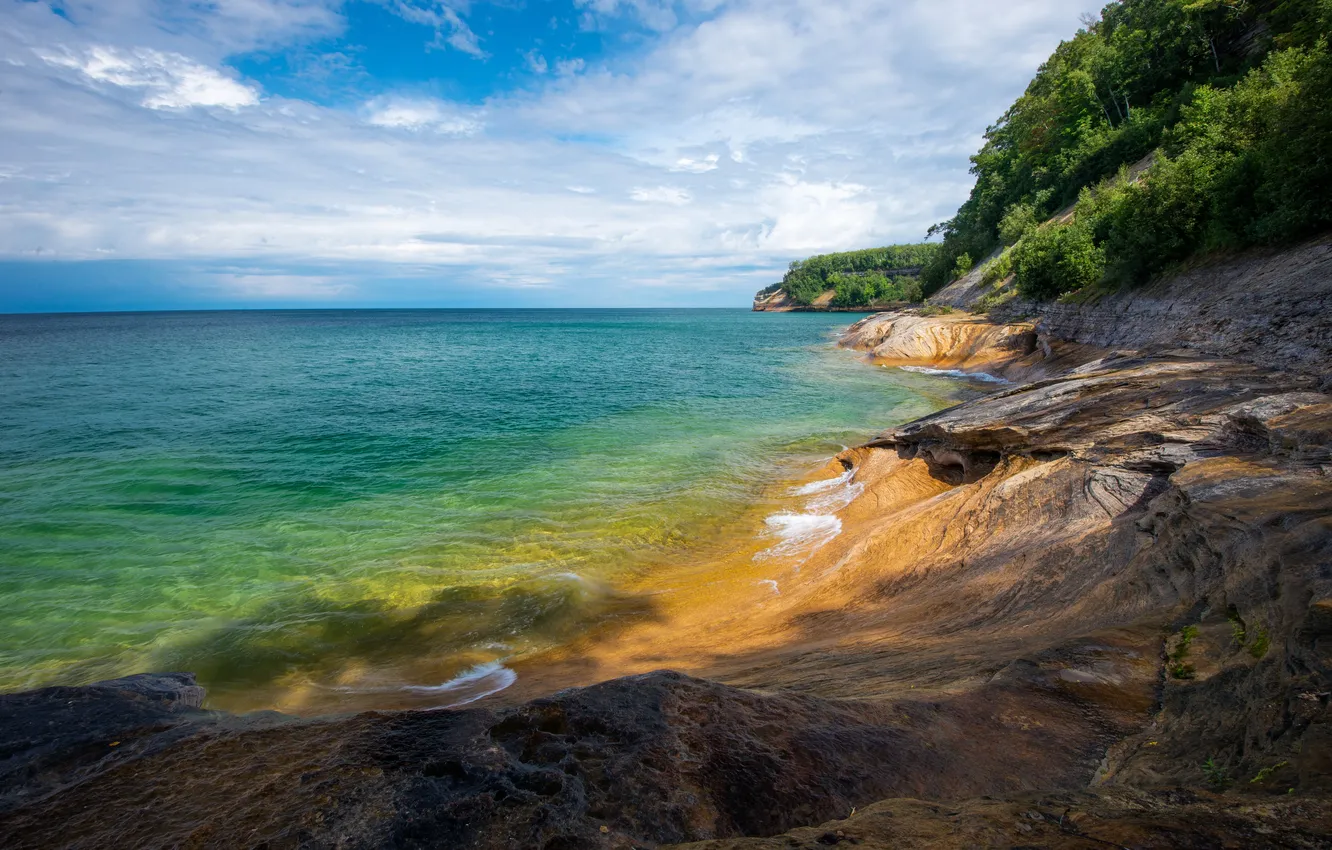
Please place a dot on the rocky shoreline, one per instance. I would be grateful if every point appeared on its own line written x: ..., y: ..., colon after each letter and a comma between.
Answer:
x: 1092, y: 608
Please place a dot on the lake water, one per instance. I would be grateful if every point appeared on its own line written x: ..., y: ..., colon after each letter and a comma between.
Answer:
x: 392, y: 501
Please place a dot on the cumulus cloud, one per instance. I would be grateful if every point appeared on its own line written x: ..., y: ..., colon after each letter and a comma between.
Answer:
x: 421, y: 114
x: 569, y: 67
x: 536, y: 62
x: 696, y: 166
x: 817, y: 216
x: 656, y: 15
x: 169, y: 80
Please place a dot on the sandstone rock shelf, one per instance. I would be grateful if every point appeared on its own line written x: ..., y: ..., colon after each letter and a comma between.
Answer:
x: 1092, y: 608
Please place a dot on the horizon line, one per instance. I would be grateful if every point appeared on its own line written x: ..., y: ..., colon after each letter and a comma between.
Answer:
x: 32, y: 313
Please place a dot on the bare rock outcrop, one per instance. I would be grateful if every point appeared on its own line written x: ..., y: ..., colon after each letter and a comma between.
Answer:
x: 641, y: 761
x: 55, y: 736
x: 1274, y: 310
x: 773, y: 300
x: 1092, y: 609
x: 953, y: 341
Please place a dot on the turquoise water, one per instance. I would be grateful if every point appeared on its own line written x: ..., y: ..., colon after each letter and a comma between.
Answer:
x: 379, y: 499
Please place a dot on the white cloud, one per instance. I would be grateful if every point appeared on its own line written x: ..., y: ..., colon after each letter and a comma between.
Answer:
x: 697, y: 166
x: 169, y: 80
x: 205, y: 31
x: 817, y: 216
x: 450, y: 28
x: 656, y: 15
x: 421, y: 114
x: 661, y: 195
x: 569, y: 67
x: 782, y: 128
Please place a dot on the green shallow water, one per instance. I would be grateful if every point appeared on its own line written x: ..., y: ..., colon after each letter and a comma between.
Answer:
x: 377, y: 499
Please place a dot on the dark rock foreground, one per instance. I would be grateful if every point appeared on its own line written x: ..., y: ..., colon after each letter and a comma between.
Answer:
x: 642, y: 761
x: 637, y: 762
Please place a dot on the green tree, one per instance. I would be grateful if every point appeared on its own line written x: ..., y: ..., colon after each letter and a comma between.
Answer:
x: 962, y: 265
x: 1057, y: 258
x: 807, y: 279
x: 1017, y: 222
x: 1234, y: 98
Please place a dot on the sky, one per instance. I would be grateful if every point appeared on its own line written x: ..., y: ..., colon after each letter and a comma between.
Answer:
x: 180, y: 154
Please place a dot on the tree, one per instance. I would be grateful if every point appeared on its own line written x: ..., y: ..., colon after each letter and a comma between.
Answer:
x: 1055, y: 259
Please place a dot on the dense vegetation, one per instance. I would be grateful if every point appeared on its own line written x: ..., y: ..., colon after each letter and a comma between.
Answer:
x: 1232, y: 100
x: 860, y: 278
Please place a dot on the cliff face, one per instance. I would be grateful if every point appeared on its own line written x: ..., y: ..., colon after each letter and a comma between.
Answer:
x: 1091, y: 608
x: 779, y: 302
x: 1274, y: 310
x: 773, y: 300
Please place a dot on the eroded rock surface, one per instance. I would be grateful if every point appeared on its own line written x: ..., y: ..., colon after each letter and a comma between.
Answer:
x: 52, y: 737
x: 953, y: 341
x: 1092, y: 609
x: 1274, y: 310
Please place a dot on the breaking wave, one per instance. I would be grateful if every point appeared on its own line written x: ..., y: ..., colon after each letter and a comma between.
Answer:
x: 955, y: 373
x: 800, y: 534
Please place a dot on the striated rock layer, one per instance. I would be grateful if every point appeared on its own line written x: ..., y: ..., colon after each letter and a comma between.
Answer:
x: 1274, y: 310
x: 1093, y: 609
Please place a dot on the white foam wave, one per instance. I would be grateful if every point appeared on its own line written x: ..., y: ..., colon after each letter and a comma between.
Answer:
x: 803, y: 533
x: 824, y: 485
x: 955, y: 373
x: 474, y: 683
x: 835, y: 500
x: 772, y: 584
x: 799, y: 533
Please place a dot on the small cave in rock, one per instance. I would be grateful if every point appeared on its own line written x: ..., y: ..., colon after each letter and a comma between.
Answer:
x: 952, y: 465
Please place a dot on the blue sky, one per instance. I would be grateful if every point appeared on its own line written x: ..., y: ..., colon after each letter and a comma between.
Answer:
x: 173, y: 154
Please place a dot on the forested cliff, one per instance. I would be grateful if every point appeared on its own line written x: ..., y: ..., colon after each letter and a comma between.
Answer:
x: 1161, y: 131
x: 1225, y: 105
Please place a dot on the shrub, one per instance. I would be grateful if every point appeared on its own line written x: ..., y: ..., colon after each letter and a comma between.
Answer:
x: 1186, y: 637
x: 909, y: 289
x: 1216, y: 775
x: 872, y: 288
x: 1237, y: 631
x: 1055, y: 259
x: 1266, y: 773
x: 1262, y: 641
x: 1017, y: 222
x: 1179, y: 668
x: 962, y: 266
x: 807, y: 279
x: 990, y: 300
x: 1234, y: 98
